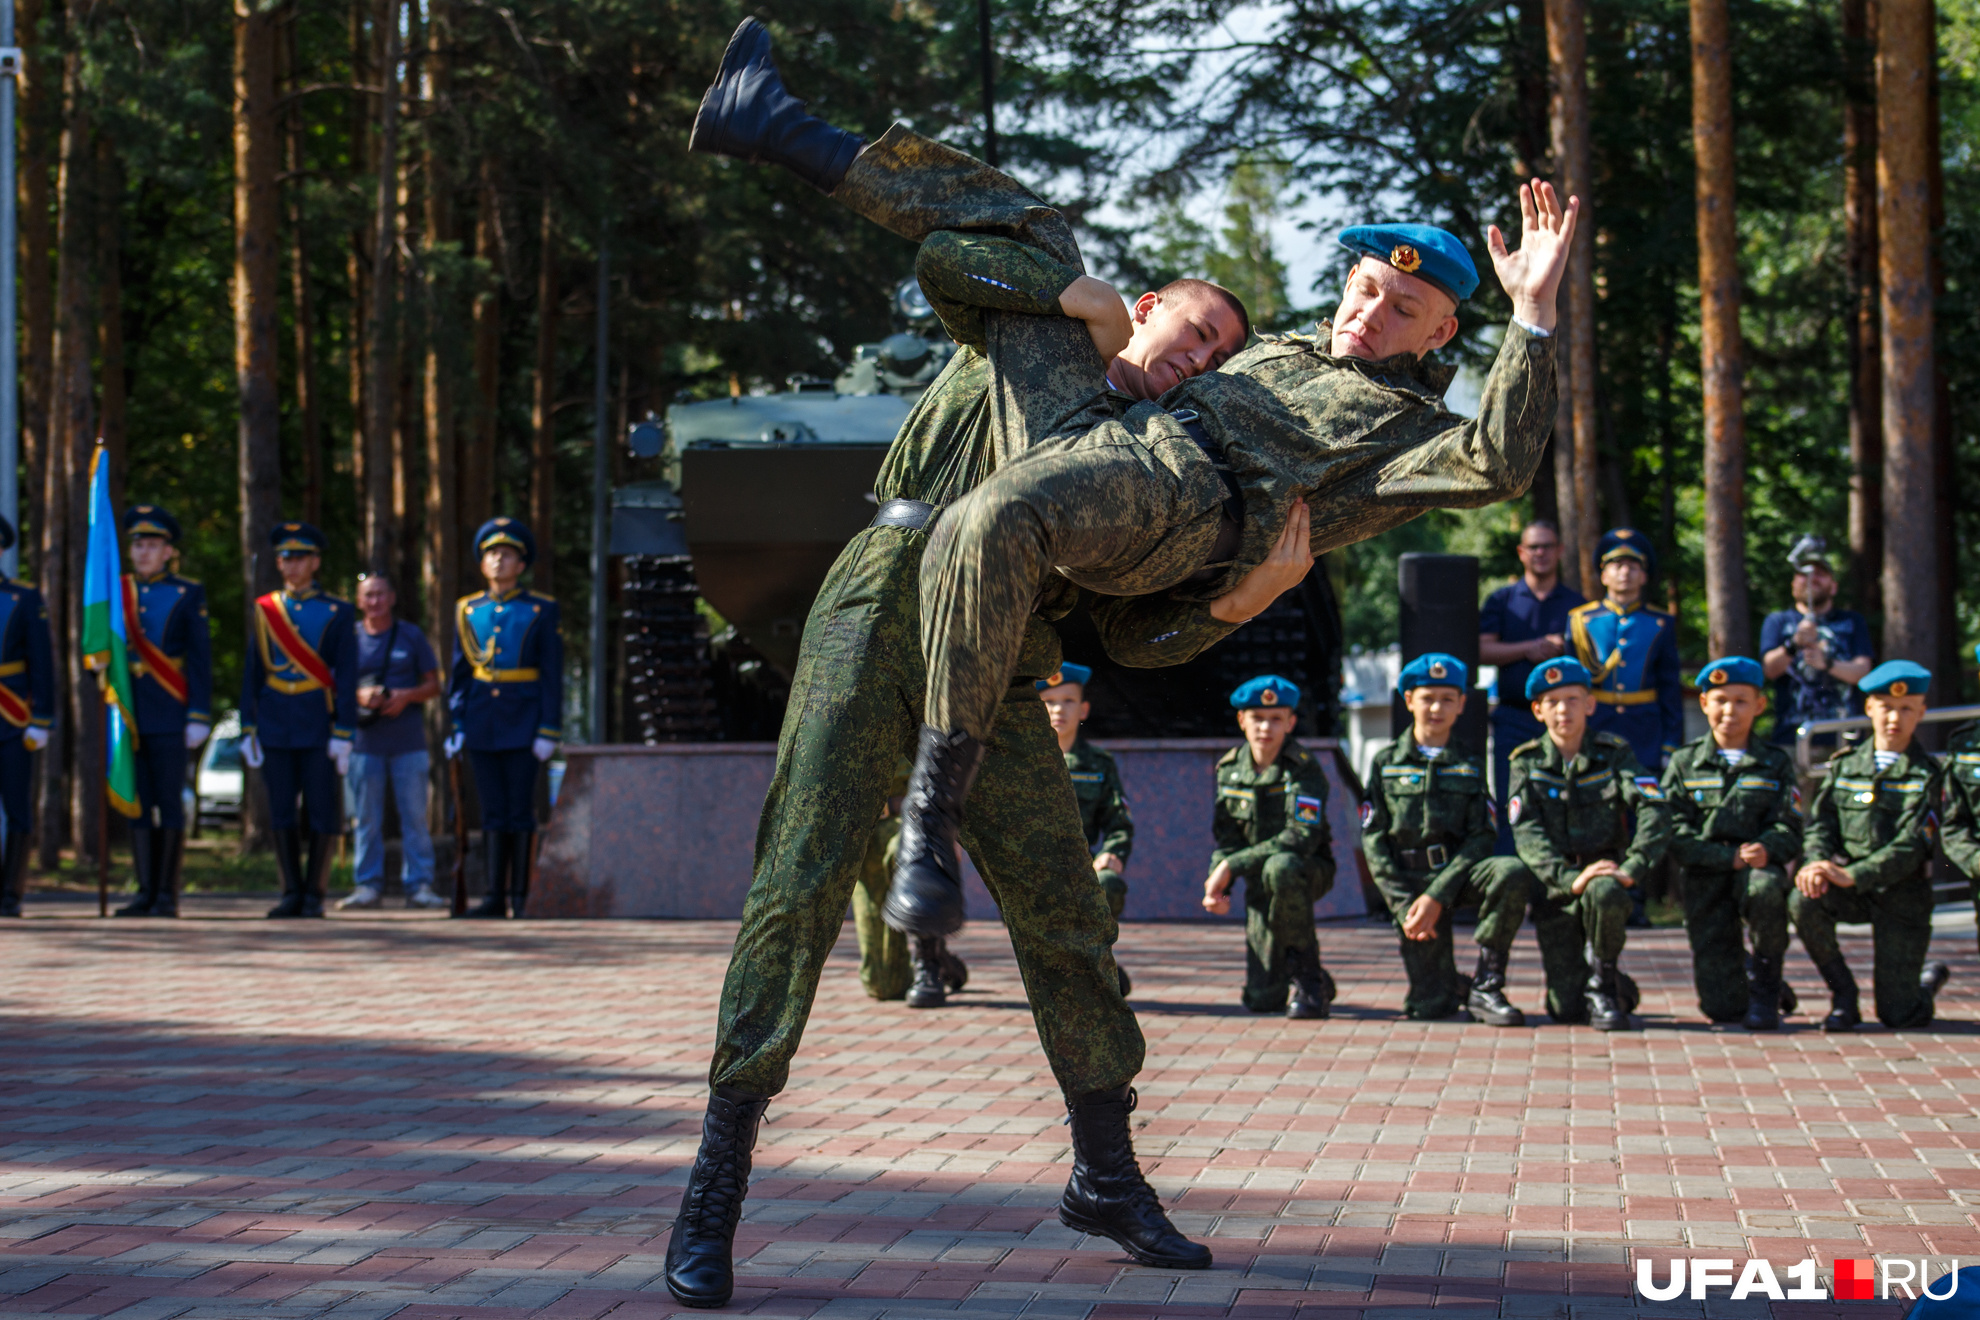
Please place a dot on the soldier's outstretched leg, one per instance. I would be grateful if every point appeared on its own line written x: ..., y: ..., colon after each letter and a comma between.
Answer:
x: 701, y: 1268
x: 1498, y: 886
x: 1107, y: 1194
x: 747, y: 114
x: 1815, y: 921
x: 1712, y: 905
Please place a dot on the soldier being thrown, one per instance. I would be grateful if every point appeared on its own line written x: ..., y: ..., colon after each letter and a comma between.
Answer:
x: 1096, y: 781
x: 1270, y: 827
x: 1573, y: 793
x: 1869, y: 851
x: 1735, y: 830
x: 1428, y: 829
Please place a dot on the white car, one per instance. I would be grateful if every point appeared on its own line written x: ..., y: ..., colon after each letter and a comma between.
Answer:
x: 221, y: 777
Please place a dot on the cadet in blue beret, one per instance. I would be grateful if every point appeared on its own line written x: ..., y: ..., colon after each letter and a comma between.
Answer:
x: 298, y: 711
x: 1735, y: 832
x: 1631, y: 652
x: 507, y: 700
x: 1096, y: 780
x: 1432, y: 255
x: 171, y: 657
x: 27, y: 713
x: 1564, y: 672
x: 1869, y: 858
x: 1270, y: 827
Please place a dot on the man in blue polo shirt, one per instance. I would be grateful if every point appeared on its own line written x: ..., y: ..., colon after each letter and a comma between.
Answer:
x: 1520, y: 626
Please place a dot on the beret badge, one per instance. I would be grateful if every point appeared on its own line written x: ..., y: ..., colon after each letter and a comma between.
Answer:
x: 1554, y: 675
x: 1437, y: 669
x: 1268, y: 697
x: 1899, y: 688
x: 1406, y: 258
x: 1716, y: 676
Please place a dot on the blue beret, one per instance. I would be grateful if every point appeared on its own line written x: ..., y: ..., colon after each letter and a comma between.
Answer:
x: 1626, y: 543
x: 1896, y: 678
x: 1434, y: 669
x: 150, y: 520
x: 1267, y: 691
x: 1562, y: 672
x: 506, y: 531
x: 1949, y: 1298
x: 1732, y: 669
x: 1425, y: 251
x: 296, y: 538
x: 1079, y: 674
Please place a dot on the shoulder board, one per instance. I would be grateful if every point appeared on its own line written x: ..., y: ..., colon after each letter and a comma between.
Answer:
x: 338, y: 601
x: 1606, y: 739
x: 1591, y: 607
x: 1964, y: 735
x: 1230, y: 757
x: 1100, y: 754
x: 184, y: 581
x: 469, y: 599
x: 542, y: 597
x: 1299, y: 755
x: 1532, y: 746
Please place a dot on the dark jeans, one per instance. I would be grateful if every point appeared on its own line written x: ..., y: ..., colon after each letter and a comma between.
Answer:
x: 507, y: 784
x: 308, y: 773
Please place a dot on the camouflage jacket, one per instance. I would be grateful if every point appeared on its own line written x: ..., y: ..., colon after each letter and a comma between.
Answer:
x: 1103, y: 808
x: 1417, y: 804
x: 1876, y: 824
x: 1568, y: 814
x: 1280, y: 809
x: 1961, y: 821
x: 1715, y: 807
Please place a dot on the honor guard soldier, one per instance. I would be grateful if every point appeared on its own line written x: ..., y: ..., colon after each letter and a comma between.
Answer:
x: 171, y: 655
x: 1270, y: 827
x: 1869, y: 858
x: 507, y: 699
x: 1960, y: 829
x: 1574, y: 791
x: 27, y: 713
x: 1630, y: 651
x: 1735, y: 835
x: 298, y: 708
x: 1428, y: 827
x: 1096, y: 781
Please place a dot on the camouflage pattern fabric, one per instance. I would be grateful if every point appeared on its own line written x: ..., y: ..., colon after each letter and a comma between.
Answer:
x: 1271, y: 826
x: 886, y: 957
x: 1960, y: 826
x: 1715, y: 808
x: 1877, y: 825
x: 1103, y: 814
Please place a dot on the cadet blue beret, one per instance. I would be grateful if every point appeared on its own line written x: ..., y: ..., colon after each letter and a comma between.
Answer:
x: 150, y: 520
x: 1434, y: 669
x: 1732, y: 669
x: 506, y: 531
x: 1425, y: 251
x: 1949, y: 1297
x: 1896, y: 678
x: 1268, y: 691
x: 296, y: 538
x: 1626, y: 543
x: 1079, y: 674
x: 1564, y: 672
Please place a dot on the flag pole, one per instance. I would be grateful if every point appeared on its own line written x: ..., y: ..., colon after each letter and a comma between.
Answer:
x: 103, y: 845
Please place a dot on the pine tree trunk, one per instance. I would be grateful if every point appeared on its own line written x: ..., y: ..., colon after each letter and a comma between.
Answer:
x: 543, y: 479
x: 115, y: 405
x: 477, y: 466
x: 1862, y: 326
x: 309, y: 403
x: 1574, y: 470
x: 441, y: 568
x: 75, y: 435
x: 381, y: 393
x: 39, y: 104
x: 1945, y: 529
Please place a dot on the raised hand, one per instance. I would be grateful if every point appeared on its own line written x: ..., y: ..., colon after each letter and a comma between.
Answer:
x: 1531, y: 274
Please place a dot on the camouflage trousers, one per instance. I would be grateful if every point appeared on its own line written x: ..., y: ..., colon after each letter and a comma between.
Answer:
x: 1115, y: 890
x: 886, y: 963
x: 1498, y: 887
x: 1717, y: 905
x: 1900, y: 920
x: 853, y: 713
x: 1278, y: 917
x: 1569, y: 929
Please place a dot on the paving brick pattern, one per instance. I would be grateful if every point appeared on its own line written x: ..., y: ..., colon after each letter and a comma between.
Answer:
x: 394, y: 1115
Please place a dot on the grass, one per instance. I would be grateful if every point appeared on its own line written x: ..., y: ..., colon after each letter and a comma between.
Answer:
x: 214, y: 864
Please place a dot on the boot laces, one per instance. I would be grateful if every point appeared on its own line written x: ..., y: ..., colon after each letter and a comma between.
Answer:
x: 716, y: 1187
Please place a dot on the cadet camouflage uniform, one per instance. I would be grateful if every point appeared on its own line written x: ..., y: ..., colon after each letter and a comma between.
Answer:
x: 886, y: 965
x: 1103, y: 814
x: 1877, y: 825
x: 1271, y: 826
x: 1565, y: 816
x: 1715, y: 807
x: 1429, y: 827
x: 1960, y: 827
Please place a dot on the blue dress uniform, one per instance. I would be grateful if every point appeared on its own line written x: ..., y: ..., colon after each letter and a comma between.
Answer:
x: 298, y: 695
x: 27, y: 701
x: 171, y: 657
x: 506, y: 695
x: 1632, y: 654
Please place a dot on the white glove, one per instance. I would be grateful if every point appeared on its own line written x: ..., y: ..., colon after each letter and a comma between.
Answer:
x: 35, y: 738
x: 195, y: 736
x: 452, y: 747
x: 340, y: 752
x: 543, y: 748
x: 251, y: 752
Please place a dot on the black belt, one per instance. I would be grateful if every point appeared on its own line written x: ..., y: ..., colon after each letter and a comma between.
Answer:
x: 912, y: 514
x: 1423, y: 859
x: 1230, y: 528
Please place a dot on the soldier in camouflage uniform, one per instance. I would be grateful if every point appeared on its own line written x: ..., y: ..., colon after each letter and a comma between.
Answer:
x: 1096, y: 781
x: 1270, y: 827
x: 918, y: 969
x: 1572, y: 795
x: 1960, y: 828
x: 1869, y: 858
x: 1428, y: 828
x: 1735, y: 834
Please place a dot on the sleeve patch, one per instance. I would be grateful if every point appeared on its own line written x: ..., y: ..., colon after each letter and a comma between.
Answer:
x: 1306, y: 810
x: 1492, y: 811
x: 1367, y: 814
x: 1512, y: 810
x: 1647, y: 785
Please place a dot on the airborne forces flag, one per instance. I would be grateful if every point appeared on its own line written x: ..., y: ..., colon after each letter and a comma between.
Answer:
x: 106, y: 639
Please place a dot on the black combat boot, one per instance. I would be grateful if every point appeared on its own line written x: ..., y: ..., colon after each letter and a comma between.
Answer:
x: 701, y: 1267
x: 13, y: 873
x: 1487, y: 998
x: 519, y: 858
x: 747, y: 114
x: 955, y: 972
x: 1606, y: 1007
x: 1845, y: 1011
x: 145, y: 868
x: 322, y: 851
x: 1312, y: 989
x: 1933, y: 979
x: 1107, y: 1194
x: 927, y: 895
x: 168, y: 854
x: 1763, y: 994
x: 928, y: 990
x: 288, y: 860
x: 1789, y: 1000
x: 495, y: 892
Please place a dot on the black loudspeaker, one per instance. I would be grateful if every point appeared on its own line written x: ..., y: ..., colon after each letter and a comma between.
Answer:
x: 1440, y: 613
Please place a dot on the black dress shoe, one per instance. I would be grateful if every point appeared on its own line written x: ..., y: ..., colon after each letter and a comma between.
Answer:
x: 1108, y: 1196
x: 746, y: 113
x: 927, y: 895
x: 701, y: 1267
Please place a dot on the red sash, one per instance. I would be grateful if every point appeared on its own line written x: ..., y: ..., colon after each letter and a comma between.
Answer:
x: 275, y: 622
x: 14, y: 707
x: 159, y: 665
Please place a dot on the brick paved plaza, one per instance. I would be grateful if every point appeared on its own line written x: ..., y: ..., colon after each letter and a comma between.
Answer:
x: 397, y: 1115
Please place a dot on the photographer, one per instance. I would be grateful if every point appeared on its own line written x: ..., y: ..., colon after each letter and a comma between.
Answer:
x: 397, y: 670
x: 1815, y: 652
